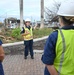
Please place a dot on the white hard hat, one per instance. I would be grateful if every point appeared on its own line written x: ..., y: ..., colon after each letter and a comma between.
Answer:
x: 66, y: 8
x: 27, y: 20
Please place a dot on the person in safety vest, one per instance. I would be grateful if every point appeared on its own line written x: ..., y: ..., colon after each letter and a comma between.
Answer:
x: 58, y: 55
x: 1, y: 58
x: 28, y: 39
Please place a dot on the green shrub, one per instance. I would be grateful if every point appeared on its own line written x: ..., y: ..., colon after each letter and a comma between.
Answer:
x: 16, y: 33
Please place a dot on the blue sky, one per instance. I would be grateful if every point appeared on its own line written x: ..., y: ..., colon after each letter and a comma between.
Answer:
x: 10, y: 8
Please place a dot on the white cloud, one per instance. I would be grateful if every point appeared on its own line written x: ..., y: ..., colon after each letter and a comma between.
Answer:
x: 11, y: 7
x: 31, y: 7
x: 9, y: 4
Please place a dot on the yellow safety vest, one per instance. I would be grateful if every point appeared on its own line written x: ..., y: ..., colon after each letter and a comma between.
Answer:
x: 30, y: 35
x: 64, y: 61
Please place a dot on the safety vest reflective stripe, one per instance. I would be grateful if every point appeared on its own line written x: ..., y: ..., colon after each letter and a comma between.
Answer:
x: 63, y: 51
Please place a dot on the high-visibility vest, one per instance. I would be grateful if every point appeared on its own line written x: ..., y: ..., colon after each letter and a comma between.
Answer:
x: 64, y: 60
x: 30, y: 35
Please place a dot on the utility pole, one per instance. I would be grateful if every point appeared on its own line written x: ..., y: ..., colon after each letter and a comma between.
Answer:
x: 42, y: 14
x: 21, y: 13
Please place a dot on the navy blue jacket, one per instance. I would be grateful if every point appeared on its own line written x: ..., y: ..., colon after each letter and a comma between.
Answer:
x: 49, y: 50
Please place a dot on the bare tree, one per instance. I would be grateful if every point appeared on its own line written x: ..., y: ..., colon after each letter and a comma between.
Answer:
x: 50, y: 14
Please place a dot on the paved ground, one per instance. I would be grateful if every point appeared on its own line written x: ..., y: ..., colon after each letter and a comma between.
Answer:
x: 17, y: 65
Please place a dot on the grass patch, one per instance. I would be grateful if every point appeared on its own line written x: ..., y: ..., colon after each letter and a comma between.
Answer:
x: 41, y: 32
x: 16, y: 36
